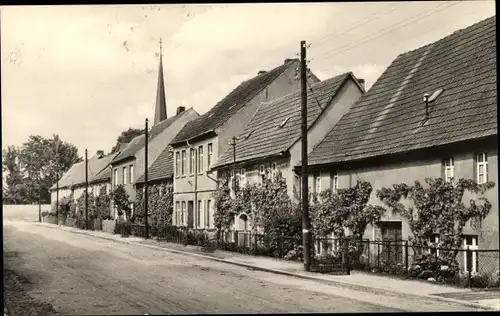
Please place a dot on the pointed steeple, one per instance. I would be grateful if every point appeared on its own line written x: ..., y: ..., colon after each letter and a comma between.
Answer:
x: 161, y: 103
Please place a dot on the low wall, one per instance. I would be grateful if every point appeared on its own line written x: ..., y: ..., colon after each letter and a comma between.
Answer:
x: 108, y: 226
x: 51, y: 219
x: 23, y: 212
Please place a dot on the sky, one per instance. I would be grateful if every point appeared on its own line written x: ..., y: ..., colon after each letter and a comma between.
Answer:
x: 87, y: 73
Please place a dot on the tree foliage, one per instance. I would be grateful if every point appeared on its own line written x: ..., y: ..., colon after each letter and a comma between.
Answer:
x: 35, y: 166
x: 160, y: 204
x: 103, y: 203
x: 125, y: 137
x: 121, y: 201
x: 438, y: 209
x: 80, y: 206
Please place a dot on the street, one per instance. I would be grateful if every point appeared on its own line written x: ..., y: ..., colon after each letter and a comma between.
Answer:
x: 80, y: 274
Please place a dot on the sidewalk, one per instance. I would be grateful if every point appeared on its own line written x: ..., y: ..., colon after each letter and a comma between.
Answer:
x: 356, y: 280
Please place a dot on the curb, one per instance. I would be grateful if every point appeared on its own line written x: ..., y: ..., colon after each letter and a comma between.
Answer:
x: 280, y: 272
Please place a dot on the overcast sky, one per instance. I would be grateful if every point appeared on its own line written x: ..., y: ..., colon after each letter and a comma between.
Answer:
x: 89, y: 72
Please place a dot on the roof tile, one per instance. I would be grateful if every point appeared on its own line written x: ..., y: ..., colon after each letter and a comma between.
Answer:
x: 390, y: 117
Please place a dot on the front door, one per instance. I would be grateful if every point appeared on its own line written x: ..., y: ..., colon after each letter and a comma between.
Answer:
x: 190, y: 219
x: 392, y: 245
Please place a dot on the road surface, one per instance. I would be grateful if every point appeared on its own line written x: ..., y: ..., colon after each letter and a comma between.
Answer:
x: 79, y: 274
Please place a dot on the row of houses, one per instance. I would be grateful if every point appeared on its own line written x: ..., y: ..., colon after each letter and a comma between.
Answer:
x: 432, y: 113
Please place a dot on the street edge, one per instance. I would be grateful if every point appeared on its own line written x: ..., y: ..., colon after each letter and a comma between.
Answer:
x: 274, y: 271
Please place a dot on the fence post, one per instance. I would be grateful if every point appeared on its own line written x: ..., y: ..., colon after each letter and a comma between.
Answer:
x: 469, y: 266
x: 378, y: 255
x: 406, y: 255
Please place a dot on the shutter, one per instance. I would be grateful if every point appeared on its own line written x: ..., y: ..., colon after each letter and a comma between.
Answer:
x: 443, y: 169
x: 474, y: 167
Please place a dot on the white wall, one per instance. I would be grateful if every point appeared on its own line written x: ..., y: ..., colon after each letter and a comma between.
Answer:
x: 23, y: 212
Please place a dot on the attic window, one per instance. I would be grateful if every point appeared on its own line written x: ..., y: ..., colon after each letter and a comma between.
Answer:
x: 435, y: 95
x: 232, y: 106
x: 210, y: 115
x: 284, y: 122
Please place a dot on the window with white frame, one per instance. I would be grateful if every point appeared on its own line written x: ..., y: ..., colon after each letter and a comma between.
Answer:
x: 262, y: 173
x: 209, y: 155
x: 177, y: 215
x: 208, y: 217
x: 273, y: 170
x: 192, y: 161
x: 449, y: 169
x: 435, y: 244
x: 200, y: 159
x: 115, y: 177
x: 317, y: 182
x: 334, y: 180
x: 198, y: 214
x: 183, y: 213
x: 124, y: 175
x: 482, y: 168
x: 131, y: 174
x: 177, y: 163
x: 470, y: 242
x: 242, y: 177
x: 183, y: 163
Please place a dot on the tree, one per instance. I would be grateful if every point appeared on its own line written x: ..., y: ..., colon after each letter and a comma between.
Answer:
x: 121, y: 201
x: 35, y: 166
x: 125, y: 137
x: 103, y: 203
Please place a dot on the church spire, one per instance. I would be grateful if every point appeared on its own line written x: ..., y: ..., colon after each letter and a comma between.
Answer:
x: 161, y: 103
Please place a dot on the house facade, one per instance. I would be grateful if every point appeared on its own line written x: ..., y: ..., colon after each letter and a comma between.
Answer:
x: 129, y: 165
x: 271, y: 141
x: 432, y: 113
x: 200, y: 143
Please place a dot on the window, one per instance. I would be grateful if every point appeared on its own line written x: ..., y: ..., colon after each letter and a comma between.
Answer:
x: 124, y: 175
x: 435, y: 244
x: 177, y: 215
x: 200, y: 159
x: 482, y: 167
x: 317, y: 182
x: 261, y: 173
x: 334, y: 179
x: 273, y: 170
x: 177, y: 163
x: 209, y: 155
x: 242, y: 177
x: 131, y: 209
x: 130, y: 173
x: 183, y: 212
x: 449, y: 169
x: 208, y: 212
x: 183, y: 163
x: 470, y: 242
x: 115, y: 177
x: 198, y: 215
x: 192, y: 161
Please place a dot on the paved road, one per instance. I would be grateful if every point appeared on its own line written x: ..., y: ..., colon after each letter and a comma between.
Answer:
x: 81, y: 274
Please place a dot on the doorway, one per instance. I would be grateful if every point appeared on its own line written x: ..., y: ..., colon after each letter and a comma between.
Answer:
x: 190, y: 210
x: 392, y: 244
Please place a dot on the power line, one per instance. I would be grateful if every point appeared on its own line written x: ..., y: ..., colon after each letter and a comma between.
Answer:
x: 355, y: 25
x: 317, y: 101
x: 391, y: 29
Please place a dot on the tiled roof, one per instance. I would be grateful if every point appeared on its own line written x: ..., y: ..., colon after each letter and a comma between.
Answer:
x: 162, y: 167
x: 231, y: 104
x: 138, y: 142
x: 76, y: 174
x: 275, y: 126
x: 390, y: 118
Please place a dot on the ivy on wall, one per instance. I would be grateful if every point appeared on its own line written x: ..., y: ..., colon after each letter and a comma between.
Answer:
x: 121, y: 201
x: 160, y: 204
x: 438, y: 209
x: 103, y: 204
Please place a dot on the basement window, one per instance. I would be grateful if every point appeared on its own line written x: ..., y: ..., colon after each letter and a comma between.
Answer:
x: 284, y: 122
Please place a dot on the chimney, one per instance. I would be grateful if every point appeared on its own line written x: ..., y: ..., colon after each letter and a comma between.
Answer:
x: 362, y: 83
x: 261, y: 72
x: 180, y: 109
x: 100, y: 153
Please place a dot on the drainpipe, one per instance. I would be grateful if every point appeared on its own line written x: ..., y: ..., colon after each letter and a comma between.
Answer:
x: 195, y: 202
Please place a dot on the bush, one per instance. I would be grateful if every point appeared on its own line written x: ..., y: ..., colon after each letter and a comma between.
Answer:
x: 123, y: 228
x: 45, y: 213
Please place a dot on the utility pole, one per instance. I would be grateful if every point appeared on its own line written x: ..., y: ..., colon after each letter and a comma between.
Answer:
x: 57, y: 183
x: 146, y: 183
x: 306, y: 233
x: 86, y: 191
x: 40, y: 202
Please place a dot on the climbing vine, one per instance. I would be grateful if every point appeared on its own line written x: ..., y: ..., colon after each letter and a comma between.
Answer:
x: 438, y: 209
x: 223, y: 205
x: 160, y: 204
x: 348, y: 208
x: 121, y: 201
x: 80, y: 206
x: 103, y: 204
